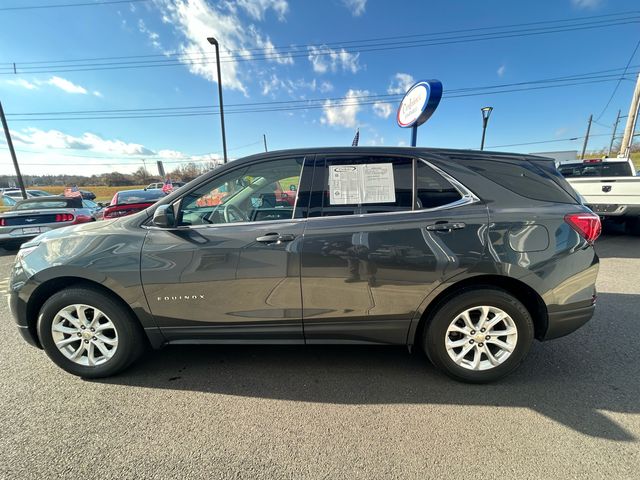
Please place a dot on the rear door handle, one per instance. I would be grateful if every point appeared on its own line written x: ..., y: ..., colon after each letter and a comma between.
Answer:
x: 275, y: 238
x: 446, y: 227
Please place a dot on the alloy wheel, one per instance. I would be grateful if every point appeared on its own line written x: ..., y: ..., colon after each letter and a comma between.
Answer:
x: 481, y: 338
x: 84, y: 335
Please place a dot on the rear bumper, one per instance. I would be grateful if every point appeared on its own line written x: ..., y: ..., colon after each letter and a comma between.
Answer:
x: 12, y: 238
x: 614, y: 210
x: 567, y: 321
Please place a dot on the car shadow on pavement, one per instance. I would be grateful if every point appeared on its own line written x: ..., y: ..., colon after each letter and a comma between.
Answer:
x: 614, y: 243
x: 570, y: 380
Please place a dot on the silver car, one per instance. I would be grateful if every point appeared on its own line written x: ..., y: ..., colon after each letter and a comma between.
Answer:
x: 33, y: 216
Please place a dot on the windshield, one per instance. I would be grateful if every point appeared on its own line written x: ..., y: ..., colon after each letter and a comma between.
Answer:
x: 604, y: 169
x: 139, y: 196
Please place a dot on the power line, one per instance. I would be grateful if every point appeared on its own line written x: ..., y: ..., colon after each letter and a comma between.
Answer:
x: 345, y: 42
x: 297, y: 47
x: 619, y: 80
x: 377, y: 97
x: 66, y: 5
x: 558, y: 140
x: 321, y: 50
x: 291, y: 106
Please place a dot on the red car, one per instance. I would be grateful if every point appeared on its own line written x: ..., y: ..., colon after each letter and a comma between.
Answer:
x: 127, y: 202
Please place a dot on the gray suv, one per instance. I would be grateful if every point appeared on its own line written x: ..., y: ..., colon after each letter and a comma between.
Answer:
x: 467, y: 255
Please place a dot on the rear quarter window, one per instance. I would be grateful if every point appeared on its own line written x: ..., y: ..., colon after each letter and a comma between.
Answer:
x: 521, y: 177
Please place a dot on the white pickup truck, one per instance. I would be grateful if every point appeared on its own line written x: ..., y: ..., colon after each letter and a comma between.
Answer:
x: 609, y: 186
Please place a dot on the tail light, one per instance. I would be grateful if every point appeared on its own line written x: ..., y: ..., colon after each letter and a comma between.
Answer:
x: 2, y: 222
x: 64, y: 217
x: 588, y: 225
x: 82, y: 219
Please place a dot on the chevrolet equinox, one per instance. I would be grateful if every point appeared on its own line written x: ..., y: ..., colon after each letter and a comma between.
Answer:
x: 467, y: 255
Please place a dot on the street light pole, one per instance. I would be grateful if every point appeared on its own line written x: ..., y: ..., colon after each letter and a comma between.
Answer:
x: 486, y: 113
x: 214, y: 42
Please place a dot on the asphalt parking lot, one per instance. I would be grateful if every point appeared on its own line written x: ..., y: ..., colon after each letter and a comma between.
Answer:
x: 572, y: 410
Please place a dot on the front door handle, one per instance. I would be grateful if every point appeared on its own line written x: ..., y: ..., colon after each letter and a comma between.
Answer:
x: 275, y: 238
x: 445, y: 226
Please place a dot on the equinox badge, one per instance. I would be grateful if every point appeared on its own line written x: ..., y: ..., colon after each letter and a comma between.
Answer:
x: 175, y: 298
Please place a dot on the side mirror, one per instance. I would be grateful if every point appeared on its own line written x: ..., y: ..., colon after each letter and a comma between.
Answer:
x: 163, y: 216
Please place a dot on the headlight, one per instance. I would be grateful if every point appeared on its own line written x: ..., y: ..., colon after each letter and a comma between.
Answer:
x: 23, y: 252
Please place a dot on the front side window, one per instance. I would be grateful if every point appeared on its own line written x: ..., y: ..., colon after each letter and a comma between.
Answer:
x: 261, y: 192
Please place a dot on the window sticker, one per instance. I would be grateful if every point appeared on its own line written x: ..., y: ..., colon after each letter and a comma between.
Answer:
x: 359, y: 184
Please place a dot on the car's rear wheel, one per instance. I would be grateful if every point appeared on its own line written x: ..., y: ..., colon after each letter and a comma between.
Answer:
x: 88, y: 333
x: 478, y: 335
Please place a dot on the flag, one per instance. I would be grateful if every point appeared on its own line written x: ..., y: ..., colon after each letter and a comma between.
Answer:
x: 356, y: 139
x: 72, y: 192
x: 167, y: 188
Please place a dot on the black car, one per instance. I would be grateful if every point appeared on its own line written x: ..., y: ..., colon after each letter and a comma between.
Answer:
x: 467, y: 255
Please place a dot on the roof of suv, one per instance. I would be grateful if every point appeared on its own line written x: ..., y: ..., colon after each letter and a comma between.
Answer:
x: 392, y: 151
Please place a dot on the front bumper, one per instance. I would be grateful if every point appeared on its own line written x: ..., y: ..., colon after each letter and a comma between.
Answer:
x: 564, y: 322
x: 18, y: 311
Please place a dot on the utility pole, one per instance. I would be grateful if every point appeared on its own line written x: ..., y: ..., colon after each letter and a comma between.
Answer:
x: 586, y: 137
x: 613, y: 135
x: 632, y: 118
x: 264, y: 137
x: 12, y: 151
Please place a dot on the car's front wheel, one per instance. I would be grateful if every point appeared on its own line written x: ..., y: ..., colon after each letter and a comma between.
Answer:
x: 479, y: 335
x: 88, y: 333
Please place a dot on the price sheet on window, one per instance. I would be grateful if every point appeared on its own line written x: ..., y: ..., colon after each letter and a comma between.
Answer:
x: 360, y: 184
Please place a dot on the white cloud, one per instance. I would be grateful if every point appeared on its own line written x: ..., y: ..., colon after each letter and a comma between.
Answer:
x: 586, y: 4
x: 382, y: 109
x: 343, y: 113
x: 326, y: 87
x: 258, y: 8
x: 21, y: 82
x: 324, y: 59
x: 66, y: 85
x: 501, y: 70
x: 401, y: 83
x: 356, y: 7
x: 153, y: 37
x: 55, y: 139
x: 269, y: 49
x: 195, y: 20
x: 58, y: 82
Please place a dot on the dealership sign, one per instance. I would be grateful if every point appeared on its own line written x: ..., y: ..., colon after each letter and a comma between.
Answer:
x: 419, y: 103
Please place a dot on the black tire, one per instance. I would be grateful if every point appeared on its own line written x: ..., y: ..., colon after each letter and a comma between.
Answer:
x: 435, y: 333
x: 131, y: 341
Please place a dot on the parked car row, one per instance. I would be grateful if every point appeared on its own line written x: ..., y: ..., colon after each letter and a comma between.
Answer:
x: 34, y: 215
x: 17, y: 193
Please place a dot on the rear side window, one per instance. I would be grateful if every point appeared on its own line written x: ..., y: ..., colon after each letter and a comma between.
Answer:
x: 520, y: 176
x: 433, y: 190
x: 355, y: 185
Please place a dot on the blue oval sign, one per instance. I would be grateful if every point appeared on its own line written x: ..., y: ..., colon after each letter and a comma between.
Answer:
x: 419, y: 103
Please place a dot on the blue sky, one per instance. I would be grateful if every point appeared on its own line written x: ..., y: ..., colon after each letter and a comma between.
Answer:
x: 325, y: 66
